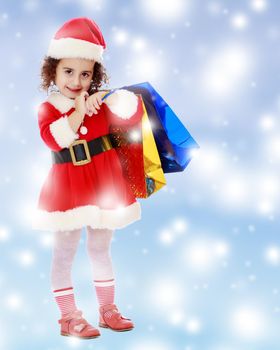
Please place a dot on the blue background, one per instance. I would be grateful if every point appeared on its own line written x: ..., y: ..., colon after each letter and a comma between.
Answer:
x: 200, y: 271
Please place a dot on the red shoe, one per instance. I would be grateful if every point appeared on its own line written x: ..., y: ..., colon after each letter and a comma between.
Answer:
x: 110, y: 317
x: 73, y: 325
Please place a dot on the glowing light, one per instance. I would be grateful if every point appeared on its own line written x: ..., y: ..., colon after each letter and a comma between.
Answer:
x: 239, y: 21
x: 74, y: 342
x: 14, y: 302
x: 26, y: 258
x: 267, y: 122
x: 211, y: 161
x: 120, y: 37
x: 46, y: 239
x: 221, y: 249
x: 166, y: 237
x: 28, y: 212
x: 265, y: 207
x: 234, y: 190
x: 226, y: 71
x: 203, y: 254
x: 92, y: 4
x: 272, y: 255
x: 193, y: 325
x: 4, y: 234
x: 165, y: 10
x: 176, y: 317
x: 138, y: 44
x: 269, y: 186
x: 167, y: 294
x: 147, y: 66
x: 135, y: 135
x: 259, y: 5
x: 179, y: 226
x: 273, y: 148
x: 200, y: 255
x: 248, y: 322
x: 194, y: 152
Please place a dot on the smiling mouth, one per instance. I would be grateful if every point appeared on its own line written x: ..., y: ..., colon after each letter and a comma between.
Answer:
x: 74, y: 90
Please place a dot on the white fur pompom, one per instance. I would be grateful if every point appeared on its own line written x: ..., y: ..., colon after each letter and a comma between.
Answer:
x: 123, y: 103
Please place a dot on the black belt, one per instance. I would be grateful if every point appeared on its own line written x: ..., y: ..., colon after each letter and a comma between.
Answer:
x: 81, y: 151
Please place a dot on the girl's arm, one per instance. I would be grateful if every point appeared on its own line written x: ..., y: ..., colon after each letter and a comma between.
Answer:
x: 77, y: 116
x: 55, y: 129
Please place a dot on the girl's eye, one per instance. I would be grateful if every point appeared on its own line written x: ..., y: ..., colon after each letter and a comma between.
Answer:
x: 85, y: 75
x: 68, y: 71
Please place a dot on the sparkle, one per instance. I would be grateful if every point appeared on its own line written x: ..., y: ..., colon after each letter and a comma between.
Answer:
x: 138, y: 44
x: 176, y: 317
x: 248, y: 322
x: 4, y: 234
x: 165, y: 10
x: 239, y: 21
x: 135, y: 135
x: 26, y: 258
x: 272, y: 255
x: 166, y: 237
x: 267, y: 122
x: 14, y: 302
x: 265, y: 207
x: 258, y: 5
x: 120, y: 37
x: 226, y: 70
x: 193, y: 325
x: 180, y: 225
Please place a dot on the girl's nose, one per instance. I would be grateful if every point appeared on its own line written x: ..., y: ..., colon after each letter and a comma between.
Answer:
x: 76, y: 80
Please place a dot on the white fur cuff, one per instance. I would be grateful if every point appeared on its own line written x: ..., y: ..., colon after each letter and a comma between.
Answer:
x: 123, y: 103
x: 62, y: 132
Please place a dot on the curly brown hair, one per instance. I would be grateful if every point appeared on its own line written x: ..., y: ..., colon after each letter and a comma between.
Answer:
x: 48, y: 71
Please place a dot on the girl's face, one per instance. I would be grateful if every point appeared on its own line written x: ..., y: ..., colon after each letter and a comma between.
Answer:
x: 73, y: 75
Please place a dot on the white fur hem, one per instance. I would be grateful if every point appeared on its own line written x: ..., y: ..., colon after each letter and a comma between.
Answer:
x: 88, y: 215
x: 70, y: 47
x: 123, y: 103
x: 62, y: 132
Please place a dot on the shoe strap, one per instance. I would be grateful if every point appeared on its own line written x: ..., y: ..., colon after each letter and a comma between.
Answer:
x: 113, y: 308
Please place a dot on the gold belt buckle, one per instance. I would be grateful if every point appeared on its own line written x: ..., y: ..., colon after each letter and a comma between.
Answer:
x: 72, y: 153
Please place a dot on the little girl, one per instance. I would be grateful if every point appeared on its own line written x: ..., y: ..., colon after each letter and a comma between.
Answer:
x: 85, y: 186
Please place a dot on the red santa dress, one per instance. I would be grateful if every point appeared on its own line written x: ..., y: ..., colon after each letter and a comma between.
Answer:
x: 97, y: 193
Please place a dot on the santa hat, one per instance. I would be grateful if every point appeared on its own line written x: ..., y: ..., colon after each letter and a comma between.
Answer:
x: 78, y: 38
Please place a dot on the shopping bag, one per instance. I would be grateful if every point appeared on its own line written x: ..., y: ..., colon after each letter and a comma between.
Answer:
x: 174, y: 142
x: 138, y: 154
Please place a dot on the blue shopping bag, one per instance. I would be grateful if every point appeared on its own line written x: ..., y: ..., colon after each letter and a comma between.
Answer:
x: 174, y: 143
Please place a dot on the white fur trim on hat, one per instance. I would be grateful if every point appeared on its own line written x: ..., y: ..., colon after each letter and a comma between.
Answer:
x: 62, y: 132
x: 88, y: 215
x: 62, y: 103
x: 75, y: 48
x: 123, y: 103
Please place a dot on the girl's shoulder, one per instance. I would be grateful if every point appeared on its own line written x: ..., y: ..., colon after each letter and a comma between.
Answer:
x: 56, y: 103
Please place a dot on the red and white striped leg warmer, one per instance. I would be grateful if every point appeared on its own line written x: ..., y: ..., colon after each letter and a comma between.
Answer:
x: 105, y: 291
x: 98, y: 247
x: 65, y: 300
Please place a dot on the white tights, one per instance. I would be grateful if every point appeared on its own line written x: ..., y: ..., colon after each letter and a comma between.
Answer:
x: 64, y: 250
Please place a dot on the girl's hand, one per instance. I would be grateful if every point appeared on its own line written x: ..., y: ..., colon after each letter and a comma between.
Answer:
x: 80, y: 103
x: 94, y: 102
